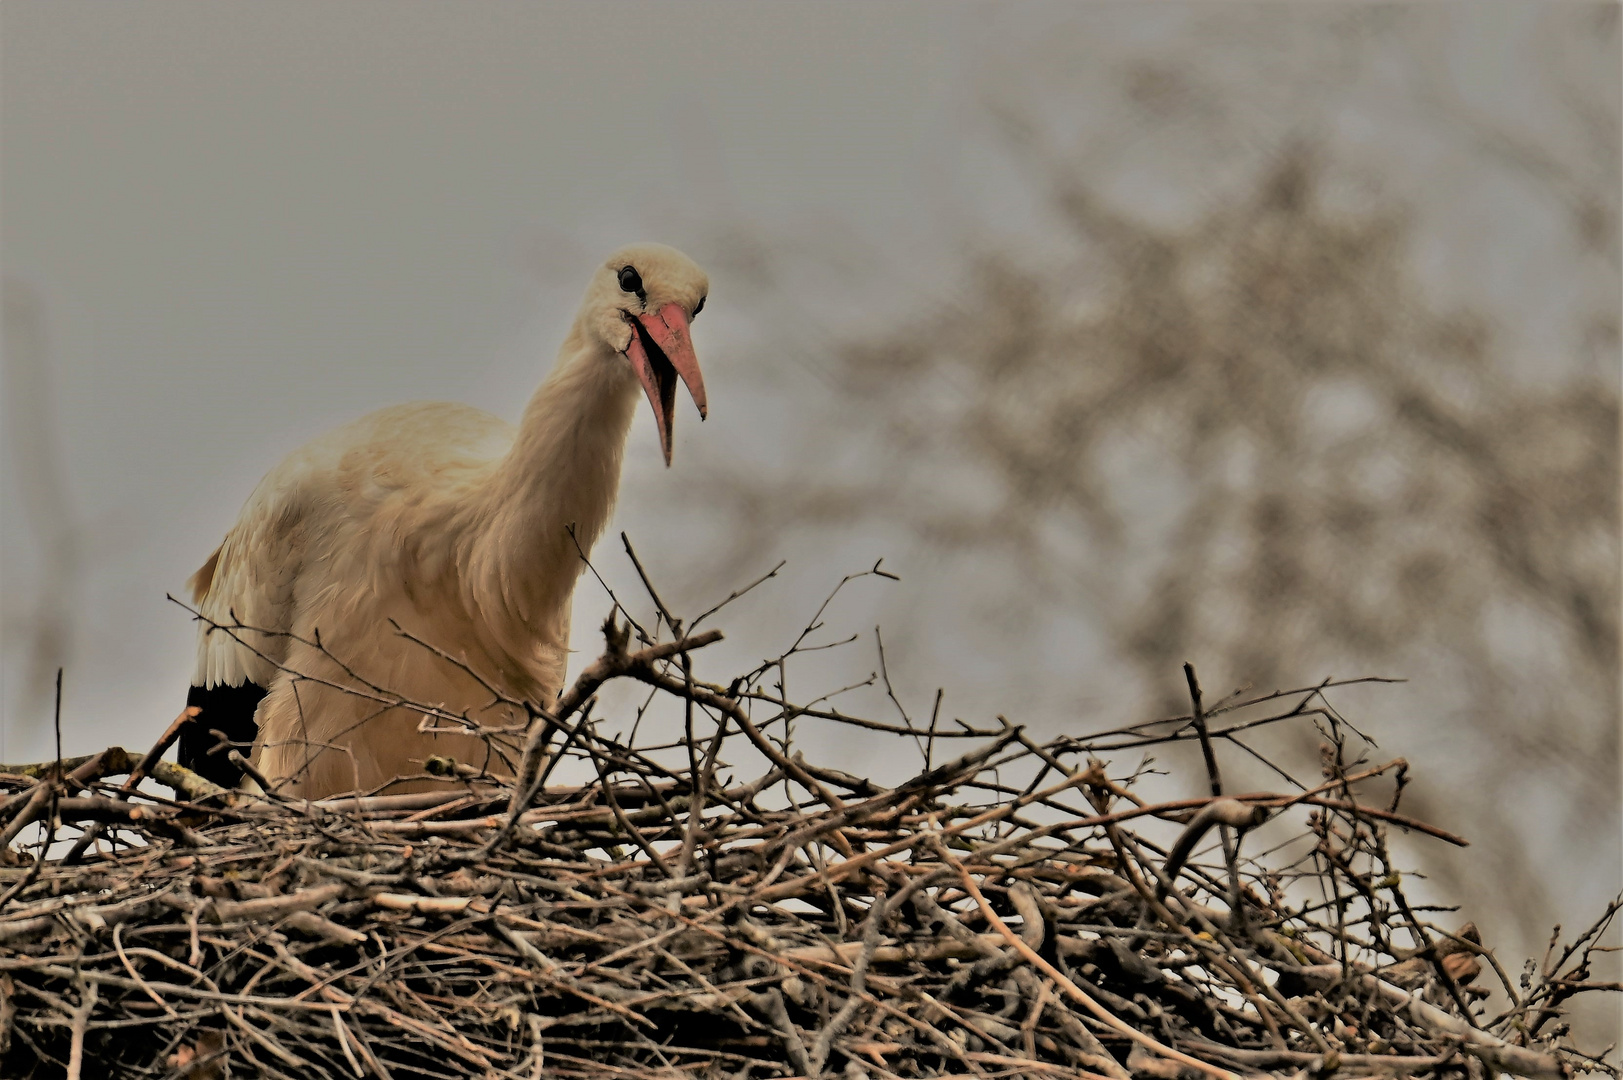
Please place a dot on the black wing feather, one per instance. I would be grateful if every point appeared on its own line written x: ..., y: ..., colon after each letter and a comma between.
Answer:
x: 230, y: 711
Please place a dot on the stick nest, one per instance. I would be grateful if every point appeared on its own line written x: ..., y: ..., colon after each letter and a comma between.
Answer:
x: 1014, y: 910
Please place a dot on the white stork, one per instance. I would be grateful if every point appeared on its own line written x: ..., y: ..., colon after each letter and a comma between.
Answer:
x: 442, y: 520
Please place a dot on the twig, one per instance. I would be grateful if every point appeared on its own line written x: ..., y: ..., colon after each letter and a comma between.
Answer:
x: 88, y: 992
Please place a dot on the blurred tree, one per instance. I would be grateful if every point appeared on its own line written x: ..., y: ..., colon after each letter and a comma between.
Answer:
x: 1249, y: 436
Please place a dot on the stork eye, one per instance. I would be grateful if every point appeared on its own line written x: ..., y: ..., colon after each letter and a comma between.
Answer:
x: 698, y: 307
x: 630, y: 280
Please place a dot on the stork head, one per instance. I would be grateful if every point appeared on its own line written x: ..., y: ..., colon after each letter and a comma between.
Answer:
x: 640, y: 303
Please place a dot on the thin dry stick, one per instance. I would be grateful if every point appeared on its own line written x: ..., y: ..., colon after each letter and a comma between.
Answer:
x: 88, y: 993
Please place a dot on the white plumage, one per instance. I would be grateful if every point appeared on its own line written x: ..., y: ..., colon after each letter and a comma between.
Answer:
x: 454, y: 525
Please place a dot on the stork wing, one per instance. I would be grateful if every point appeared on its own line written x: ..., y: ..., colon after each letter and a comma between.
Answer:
x: 245, y: 592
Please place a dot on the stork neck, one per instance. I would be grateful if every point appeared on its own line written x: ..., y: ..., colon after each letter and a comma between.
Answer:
x: 563, y: 471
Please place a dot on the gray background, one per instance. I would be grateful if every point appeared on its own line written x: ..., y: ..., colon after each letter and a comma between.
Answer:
x: 229, y: 227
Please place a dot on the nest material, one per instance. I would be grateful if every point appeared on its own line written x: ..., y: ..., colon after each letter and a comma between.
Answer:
x: 1014, y: 911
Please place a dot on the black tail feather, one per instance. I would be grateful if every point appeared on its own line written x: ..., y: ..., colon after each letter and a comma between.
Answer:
x: 227, y: 709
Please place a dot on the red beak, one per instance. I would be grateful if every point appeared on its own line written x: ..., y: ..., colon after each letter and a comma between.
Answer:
x: 660, y: 351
